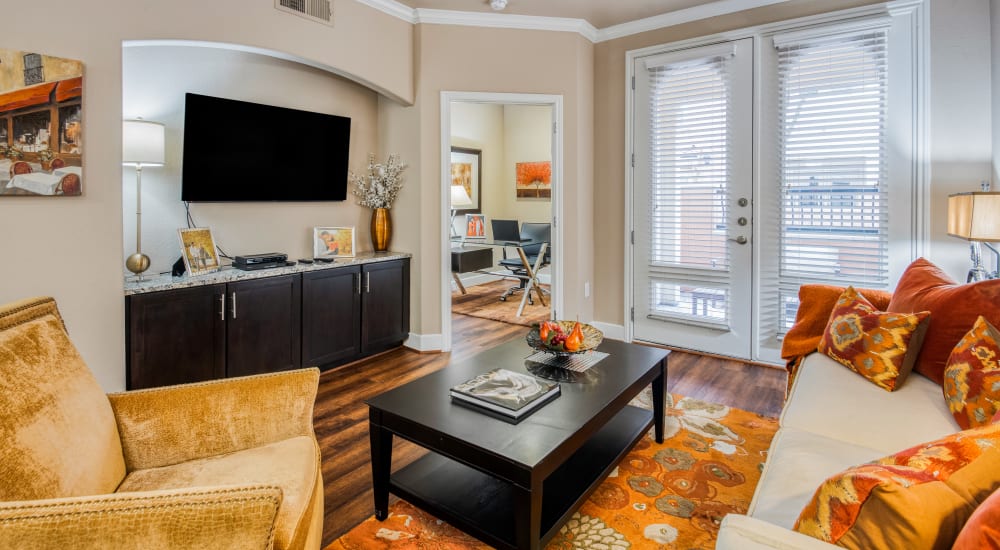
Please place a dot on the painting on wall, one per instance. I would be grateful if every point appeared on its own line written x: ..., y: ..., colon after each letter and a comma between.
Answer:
x: 466, y: 171
x: 41, y: 132
x: 333, y: 242
x: 198, y: 250
x: 534, y: 180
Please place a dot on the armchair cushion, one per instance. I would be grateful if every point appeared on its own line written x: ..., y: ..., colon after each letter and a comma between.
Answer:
x: 59, y: 433
x: 187, y: 519
x: 291, y: 464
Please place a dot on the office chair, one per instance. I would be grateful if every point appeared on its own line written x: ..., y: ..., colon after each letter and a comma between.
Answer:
x: 537, y: 234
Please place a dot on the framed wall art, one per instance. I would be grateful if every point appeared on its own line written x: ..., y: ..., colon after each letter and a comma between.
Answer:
x: 475, y: 226
x: 41, y: 133
x: 198, y: 250
x: 534, y: 180
x: 467, y: 171
x: 333, y: 242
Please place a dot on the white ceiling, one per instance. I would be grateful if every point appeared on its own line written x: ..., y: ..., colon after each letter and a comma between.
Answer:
x: 599, y: 13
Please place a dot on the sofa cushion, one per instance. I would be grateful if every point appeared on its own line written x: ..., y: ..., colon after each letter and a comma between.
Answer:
x: 292, y: 465
x: 972, y: 377
x: 831, y: 401
x: 813, y: 314
x: 917, y: 498
x: 797, y: 463
x: 58, y: 431
x: 877, y: 345
x: 954, y: 308
x: 982, y: 531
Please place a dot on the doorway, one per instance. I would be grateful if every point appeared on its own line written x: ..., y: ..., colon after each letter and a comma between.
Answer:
x: 501, y: 158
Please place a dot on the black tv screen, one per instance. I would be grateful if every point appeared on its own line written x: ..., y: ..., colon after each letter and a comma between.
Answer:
x: 240, y: 151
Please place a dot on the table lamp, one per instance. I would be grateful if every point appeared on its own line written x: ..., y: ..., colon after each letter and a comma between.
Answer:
x: 142, y: 145
x: 459, y: 200
x: 975, y: 217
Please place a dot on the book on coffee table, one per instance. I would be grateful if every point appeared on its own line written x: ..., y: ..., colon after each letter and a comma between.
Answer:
x: 509, y: 393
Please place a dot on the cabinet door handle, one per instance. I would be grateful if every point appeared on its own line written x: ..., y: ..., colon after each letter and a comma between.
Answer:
x: 357, y: 282
x: 234, y: 304
x: 368, y: 282
x: 222, y: 306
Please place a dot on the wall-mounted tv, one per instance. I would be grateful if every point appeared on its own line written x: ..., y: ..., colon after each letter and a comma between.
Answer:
x: 239, y: 151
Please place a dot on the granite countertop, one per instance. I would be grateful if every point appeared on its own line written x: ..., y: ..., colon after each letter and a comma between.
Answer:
x: 155, y: 283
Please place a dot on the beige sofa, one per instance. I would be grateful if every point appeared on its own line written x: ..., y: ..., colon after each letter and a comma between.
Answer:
x: 225, y: 464
x: 833, y: 419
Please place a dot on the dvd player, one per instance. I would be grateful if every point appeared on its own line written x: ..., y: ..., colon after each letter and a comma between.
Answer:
x: 268, y: 265
x: 260, y: 259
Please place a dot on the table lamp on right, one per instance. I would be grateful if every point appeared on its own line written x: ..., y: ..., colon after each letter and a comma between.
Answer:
x: 975, y: 217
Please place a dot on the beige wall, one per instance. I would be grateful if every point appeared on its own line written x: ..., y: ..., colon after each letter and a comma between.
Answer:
x: 527, y: 138
x: 71, y: 248
x: 155, y: 79
x: 481, y: 126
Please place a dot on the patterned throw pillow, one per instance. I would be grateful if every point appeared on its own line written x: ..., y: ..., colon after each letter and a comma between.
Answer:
x: 972, y: 376
x: 878, y: 345
x: 918, y: 498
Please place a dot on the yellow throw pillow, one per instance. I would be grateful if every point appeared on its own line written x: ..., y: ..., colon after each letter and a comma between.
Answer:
x: 972, y: 376
x: 878, y: 345
x: 918, y: 498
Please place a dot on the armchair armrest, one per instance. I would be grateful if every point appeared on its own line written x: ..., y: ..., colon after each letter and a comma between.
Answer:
x: 739, y: 532
x: 219, y: 517
x: 170, y: 425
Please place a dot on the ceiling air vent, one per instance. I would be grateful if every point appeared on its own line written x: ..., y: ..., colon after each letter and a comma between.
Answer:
x: 317, y: 10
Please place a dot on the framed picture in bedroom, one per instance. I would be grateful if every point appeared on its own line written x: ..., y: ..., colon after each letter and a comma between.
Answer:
x: 198, y: 250
x: 467, y: 171
x: 333, y: 242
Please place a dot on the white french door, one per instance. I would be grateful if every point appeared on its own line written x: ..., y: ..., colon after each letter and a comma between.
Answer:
x: 692, y: 198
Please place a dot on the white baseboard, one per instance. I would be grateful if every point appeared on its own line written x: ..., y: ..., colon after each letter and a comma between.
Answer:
x: 424, y: 342
x: 614, y: 332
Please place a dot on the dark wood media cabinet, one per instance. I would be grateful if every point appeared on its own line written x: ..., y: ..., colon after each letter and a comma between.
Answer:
x: 317, y: 317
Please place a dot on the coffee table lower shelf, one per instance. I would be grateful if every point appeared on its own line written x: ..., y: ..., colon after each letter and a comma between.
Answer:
x: 484, y: 506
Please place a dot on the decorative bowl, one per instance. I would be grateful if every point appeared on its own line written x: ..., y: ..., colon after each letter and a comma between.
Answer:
x: 591, y: 339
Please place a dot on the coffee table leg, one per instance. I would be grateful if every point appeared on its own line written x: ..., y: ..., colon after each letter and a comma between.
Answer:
x: 528, y: 517
x: 381, y: 447
x: 659, y: 389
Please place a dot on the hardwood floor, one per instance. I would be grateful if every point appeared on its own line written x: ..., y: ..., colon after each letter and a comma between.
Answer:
x: 341, y: 417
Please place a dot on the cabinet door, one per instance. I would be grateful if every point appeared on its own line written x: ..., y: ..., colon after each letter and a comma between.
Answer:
x: 331, y: 315
x: 385, y: 303
x: 175, y: 337
x: 263, y: 331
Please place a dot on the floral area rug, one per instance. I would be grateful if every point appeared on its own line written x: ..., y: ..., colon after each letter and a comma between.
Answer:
x: 671, y: 495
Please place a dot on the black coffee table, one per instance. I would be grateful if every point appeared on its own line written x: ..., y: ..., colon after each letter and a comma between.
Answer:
x: 514, y: 485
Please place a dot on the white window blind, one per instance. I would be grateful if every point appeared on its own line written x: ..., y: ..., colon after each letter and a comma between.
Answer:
x: 832, y: 153
x: 690, y: 163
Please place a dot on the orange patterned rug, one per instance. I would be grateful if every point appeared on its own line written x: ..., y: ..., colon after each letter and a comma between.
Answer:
x: 671, y: 495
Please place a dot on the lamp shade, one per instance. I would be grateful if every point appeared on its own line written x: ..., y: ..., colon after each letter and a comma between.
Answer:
x: 459, y: 197
x: 142, y: 143
x: 974, y: 216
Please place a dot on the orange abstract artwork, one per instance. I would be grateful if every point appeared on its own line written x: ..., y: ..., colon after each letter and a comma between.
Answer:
x: 534, y: 180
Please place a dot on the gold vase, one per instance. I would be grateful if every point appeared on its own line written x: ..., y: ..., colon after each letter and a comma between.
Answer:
x: 381, y: 229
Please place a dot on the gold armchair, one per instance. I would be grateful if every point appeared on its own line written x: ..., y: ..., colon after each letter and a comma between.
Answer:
x: 225, y: 464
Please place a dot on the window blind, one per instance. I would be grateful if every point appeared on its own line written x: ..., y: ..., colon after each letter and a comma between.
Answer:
x: 832, y: 152
x: 690, y: 144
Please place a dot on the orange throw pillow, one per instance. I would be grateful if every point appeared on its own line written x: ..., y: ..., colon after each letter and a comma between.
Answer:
x: 877, y: 345
x: 982, y: 531
x: 972, y: 378
x: 918, y: 498
x: 954, y: 308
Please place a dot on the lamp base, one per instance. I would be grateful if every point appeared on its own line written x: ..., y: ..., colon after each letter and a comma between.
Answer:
x: 137, y: 263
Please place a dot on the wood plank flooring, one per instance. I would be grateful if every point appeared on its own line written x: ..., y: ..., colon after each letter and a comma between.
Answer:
x: 341, y: 417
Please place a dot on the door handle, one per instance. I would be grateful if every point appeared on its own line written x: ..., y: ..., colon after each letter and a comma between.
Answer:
x: 739, y: 240
x: 368, y: 282
x: 357, y: 282
x: 233, y: 305
x: 222, y: 306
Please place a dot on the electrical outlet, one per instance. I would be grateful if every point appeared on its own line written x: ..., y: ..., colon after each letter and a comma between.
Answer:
x: 586, y: 289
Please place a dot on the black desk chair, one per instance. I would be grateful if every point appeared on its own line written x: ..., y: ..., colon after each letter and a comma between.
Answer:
x: 538, y: 234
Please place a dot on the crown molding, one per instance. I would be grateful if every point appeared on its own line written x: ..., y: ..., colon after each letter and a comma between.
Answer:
x: 678, y: 17
x: 393, y: 8
x: 507, y: 21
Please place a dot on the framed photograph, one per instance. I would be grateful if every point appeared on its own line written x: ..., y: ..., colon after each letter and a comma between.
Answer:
x: 333, y: 242
x: 534, y: 180
x: 198, y: 251
x: 467, y: 172
x: 475, y: 226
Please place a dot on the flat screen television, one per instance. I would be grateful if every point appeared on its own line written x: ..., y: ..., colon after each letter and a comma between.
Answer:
x: 236, y: 151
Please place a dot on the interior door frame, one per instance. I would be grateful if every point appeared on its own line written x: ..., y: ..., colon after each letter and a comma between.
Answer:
x: 556, y: 103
